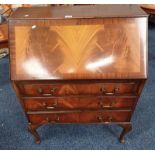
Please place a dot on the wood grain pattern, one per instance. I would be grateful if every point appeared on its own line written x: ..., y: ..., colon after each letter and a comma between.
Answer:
x: 3, y: 32
x: 68, y: 103
x: 102, y: 50
x: 95, y: 11
x: 3, y: 36
x: 89, y: 117
x: 47, y: 90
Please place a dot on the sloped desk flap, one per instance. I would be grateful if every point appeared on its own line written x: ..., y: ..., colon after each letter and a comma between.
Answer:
x: 107, y: 48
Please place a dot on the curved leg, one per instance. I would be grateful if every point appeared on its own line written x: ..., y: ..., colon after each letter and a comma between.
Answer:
x: 126, y: 128
x: 32, y: 129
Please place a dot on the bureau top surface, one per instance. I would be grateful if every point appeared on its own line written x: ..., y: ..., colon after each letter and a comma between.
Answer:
x: 86, y: 11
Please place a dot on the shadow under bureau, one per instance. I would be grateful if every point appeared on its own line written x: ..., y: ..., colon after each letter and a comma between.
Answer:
x: 78, y: 64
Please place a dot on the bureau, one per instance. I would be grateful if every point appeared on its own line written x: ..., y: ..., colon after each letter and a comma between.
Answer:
x: 78, y: 64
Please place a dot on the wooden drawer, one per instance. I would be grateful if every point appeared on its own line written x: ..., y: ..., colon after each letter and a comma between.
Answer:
x: 46, y: 90
x: 78, y: 103
x: 81, y: 117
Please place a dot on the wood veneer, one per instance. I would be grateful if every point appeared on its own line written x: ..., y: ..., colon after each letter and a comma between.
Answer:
x: 45, y: 90
x: 89, y: 58
x: 71, y: 65
x: 95, y: 103
x: 83, y: 117
x: 3, y: 35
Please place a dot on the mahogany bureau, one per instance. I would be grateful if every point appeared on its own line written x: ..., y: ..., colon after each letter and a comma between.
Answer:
x: 78, y: 64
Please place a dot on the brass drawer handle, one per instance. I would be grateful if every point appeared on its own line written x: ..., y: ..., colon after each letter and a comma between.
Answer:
x: 40, y: 90
x: 49, y: 107
x: 102, y: 119
x: 101, y: 104
x: 54, y: 121
x: 104, y: 91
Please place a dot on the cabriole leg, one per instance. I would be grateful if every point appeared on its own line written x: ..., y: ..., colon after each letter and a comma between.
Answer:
x: 33, y: 130
x: 126, y: 129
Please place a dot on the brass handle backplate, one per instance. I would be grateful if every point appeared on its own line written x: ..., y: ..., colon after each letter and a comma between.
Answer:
x: 40, y: 90
x: 102, y: 105
x: 103, y: 119
x: 53, y: 121
x: 100, y: 118
x: 50, y: 107
x: 113, y: 92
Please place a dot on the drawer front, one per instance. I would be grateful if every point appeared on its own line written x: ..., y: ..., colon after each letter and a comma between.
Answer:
x: 78, y: 103
x: 83, y: 117
x: 45, y: 90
